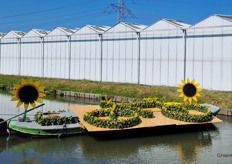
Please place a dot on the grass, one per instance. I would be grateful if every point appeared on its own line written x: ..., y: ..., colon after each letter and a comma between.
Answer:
x: 167, y: 94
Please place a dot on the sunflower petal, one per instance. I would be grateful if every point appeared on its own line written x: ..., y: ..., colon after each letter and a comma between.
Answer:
x: 199, y: 89
x: 30, y: 81
x: 197, y: 94
x: 181, y: 95
x: 15, y: 98
x: 197, y: 85
x: 16, y: 86
x: 194, y: 98
x: 23, y: 82
x: 33, y: 104
x: 41, y: 88
x: 37, y: 83
x: 185, y: 98
x: 39, y: 100
x: 193, y: 82
x: 13, y: 92
x: 190, y: 100
x: 26, y: 106
x: 179, y: 90
x: 41, y: 95
x: 19, y: 104
x: 188, y: 81
x: 183, y: 82
x: 181, y: 86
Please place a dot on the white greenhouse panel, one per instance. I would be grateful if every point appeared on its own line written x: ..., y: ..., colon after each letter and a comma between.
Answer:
x: 157, y: 73
x: 216, y: 75
x: 172, y: 73
x: 207, y: 75
x: 226, y: 76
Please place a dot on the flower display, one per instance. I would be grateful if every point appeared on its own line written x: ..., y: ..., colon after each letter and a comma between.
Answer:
x: 112, y: 122
x: 43, y: 120
x: 189, y: 90
x: 180, y: 111
x: 27, y: 93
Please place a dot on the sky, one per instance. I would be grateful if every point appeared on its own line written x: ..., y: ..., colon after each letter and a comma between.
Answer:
x: 24, y: 15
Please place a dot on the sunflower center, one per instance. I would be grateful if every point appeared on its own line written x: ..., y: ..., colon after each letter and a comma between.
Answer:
x: 28, y: 94
x: 189, y: 90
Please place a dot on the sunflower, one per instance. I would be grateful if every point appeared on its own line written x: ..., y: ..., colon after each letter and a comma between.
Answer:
x: 27, y: 93
x: 189, y: 90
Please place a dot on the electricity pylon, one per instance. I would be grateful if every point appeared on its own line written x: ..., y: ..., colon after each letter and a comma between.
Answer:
x: 122, y: 10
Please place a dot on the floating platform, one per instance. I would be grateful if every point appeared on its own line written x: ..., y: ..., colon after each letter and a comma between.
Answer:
x: 159, y: 119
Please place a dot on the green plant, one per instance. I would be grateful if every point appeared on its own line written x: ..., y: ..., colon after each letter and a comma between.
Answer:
x: 47, y: 92
x: 93, y: 118
x: 61, y: 94
x: 179, y: 111
x: 59, y: 121
x: 53, y: 120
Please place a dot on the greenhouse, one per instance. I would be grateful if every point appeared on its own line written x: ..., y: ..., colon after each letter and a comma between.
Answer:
x: 120, y: 53
x: 162, y: 48
x: 57, y: 53
x: 32, y: 53
x: 11, y: 53
x: 208, y: 55
x: 86, y: 53
x: 163, y: 53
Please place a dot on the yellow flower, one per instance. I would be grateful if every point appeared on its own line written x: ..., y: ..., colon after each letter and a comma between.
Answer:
x: 27, y: 93
x: 189, y: 90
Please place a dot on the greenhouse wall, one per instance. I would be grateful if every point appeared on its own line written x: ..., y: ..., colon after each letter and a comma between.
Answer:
x: 31, y: 54
x: 120, y: 58
x: 162, y: 53
x: 209, y: 53
x: 10, y: 54
x: 56, y: 54
x: 85, y: 54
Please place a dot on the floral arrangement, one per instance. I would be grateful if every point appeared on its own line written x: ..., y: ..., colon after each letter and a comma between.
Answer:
x: 53, y: 120
x: 173, y: 110
x: 112, y: 122
x: 180, y: 112
x: 145, y: 103
x: 113, y: 110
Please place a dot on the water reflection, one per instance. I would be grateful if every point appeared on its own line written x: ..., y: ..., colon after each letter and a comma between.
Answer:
x: 89, y: 147
x: 8, y: 108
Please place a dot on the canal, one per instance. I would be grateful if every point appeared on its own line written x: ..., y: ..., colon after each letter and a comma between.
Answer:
x: 206, y: 146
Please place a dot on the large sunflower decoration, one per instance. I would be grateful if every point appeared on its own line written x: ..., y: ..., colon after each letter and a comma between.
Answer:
x: 27, y: 93
x: 189, y: 90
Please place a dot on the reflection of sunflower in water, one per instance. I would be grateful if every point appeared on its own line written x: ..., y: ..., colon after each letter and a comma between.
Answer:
x: 189, y: 90
x: 27, y: 93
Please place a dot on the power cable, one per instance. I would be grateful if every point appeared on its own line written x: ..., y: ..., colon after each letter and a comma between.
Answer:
x: 196, y: 3
x: 184, y: 8
x: 30, y: 20
x: 55, y: 22
x: 47, y: 10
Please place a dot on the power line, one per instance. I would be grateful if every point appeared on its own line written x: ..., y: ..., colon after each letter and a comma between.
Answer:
x: 184, y: 8
x: 55, y: 22
x: 196, y: 3
x: 47, y: 10
x: 43, y: 18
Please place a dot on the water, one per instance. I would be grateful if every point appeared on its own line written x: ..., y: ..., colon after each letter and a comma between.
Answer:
x: 191, y: 147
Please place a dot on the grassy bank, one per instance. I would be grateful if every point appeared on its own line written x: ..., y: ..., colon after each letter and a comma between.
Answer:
x: 218, y: 98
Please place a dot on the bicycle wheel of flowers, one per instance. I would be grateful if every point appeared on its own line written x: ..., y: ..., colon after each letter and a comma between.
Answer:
x: 132, y: 118
x: 179, y: 111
